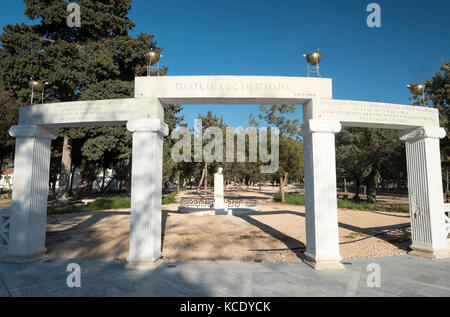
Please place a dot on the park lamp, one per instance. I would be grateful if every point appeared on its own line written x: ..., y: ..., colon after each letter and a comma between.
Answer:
x: 37, y: 87
x: 313, y: 60
x: 152, y: 57
x: 418, y: 90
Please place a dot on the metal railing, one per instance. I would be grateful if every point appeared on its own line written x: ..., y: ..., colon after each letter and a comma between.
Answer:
x: 5, y: 220
x: 447, y: 220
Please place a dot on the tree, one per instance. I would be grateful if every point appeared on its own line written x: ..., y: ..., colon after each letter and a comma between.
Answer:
x: 437, y: 89
x: 172, y: 118
x: 290, y: 159
x: 8, y: 113
x: 363, y: 155
x: 208, y: 121
x: 98, y: 60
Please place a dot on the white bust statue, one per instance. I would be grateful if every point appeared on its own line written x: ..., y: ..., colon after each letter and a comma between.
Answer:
x: 218, y: 189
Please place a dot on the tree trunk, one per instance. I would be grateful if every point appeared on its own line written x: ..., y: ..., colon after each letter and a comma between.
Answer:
x: 8, y: 181
x: 206, y: 179
x: 103, y: 178
x: 371, y: 188
x: 64, y: 177
x: 447, y: 185
x: 345, y: 185
x: 398, y: 184
x: 128, y: 182
x: 110, y: 182
x: 178, y: 180
x: 72, y: 176
x: 357, y: 188
x: 54, y: 189
x: 201, y: 179
x: 282, y: 188
x: 81, y: 180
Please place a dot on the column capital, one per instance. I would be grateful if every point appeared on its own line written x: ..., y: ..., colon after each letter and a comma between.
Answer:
x: 32, y: 131
x: 320, y: 126
x: 422, y: 133
x: 154, y: 125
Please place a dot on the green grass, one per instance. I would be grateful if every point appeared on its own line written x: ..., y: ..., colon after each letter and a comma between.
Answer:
x: 349, y: 204
x: 6, y: 194
x: 169, y: 198
x: 290, y: 199
x: 299, y: 200
x: 107, y: 204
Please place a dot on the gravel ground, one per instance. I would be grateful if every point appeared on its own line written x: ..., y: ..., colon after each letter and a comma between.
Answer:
x: 274, y: 234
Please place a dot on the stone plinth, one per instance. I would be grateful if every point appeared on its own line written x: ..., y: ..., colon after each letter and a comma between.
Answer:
x: 146, y: 190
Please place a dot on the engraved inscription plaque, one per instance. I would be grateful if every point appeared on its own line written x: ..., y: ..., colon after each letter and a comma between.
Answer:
x: 232, y: 89
x: 84, y: 113
x: 371, y: 114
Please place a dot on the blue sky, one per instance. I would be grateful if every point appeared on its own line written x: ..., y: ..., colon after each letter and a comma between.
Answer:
x: 250, y: 37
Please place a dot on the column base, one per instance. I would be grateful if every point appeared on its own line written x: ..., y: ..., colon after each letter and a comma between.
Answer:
x: 26, y: 259
x: 220, y: 211
x: 329, y: 264
x: 144, y: 264
x: 431, y: 254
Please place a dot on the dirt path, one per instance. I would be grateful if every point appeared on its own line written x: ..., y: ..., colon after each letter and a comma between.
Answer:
x: 275, y: 234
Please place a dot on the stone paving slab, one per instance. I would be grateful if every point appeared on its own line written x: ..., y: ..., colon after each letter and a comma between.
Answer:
x: 400, y: 276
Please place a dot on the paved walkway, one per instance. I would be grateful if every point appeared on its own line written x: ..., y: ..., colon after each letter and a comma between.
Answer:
x: 400, y: 276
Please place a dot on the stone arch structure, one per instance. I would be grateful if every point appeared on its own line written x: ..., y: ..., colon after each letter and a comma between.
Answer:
x: 143, y: 116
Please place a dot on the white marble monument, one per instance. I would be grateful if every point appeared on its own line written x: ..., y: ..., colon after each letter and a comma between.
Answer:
x: 219, y: 203
x: 143, y: 115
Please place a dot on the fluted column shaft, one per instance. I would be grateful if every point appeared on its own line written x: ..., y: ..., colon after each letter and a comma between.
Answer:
x: 146, y: 189
x: 426, y: 198
x: 322, y: 235
x: 30, y: 191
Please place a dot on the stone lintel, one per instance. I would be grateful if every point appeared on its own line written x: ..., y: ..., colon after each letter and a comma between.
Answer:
x: 91, y: 112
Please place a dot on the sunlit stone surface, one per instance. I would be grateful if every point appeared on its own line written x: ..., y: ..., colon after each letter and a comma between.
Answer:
x: 323, y: 118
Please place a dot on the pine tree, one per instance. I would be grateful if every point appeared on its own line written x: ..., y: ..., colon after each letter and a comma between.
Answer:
x: 363, y: 154
x: 437, y: 89
x: 8, y: 113
x: 290, y: 161
x: 98, y: 60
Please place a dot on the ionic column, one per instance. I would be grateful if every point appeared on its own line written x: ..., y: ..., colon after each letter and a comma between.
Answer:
x: 322, y: 235
x: 146, y: 190
x: 426, y: 199
x: 30, y: 192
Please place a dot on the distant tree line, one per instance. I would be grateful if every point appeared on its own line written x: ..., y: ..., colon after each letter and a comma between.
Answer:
x: 100, y: 60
